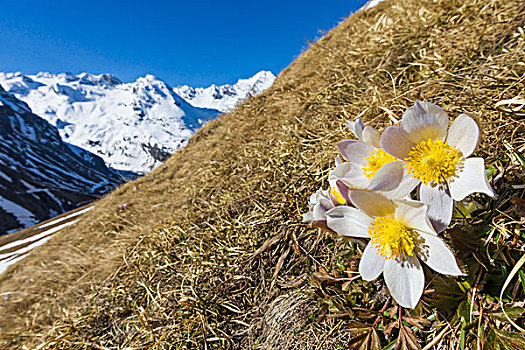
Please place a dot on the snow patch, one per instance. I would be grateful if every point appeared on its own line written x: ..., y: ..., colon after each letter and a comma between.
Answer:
x: 5, y: 264
x: 33, y: 238
x: 22, y: 215
x: 80, y: 212
x: 370, y: 4
x: 5, y: 177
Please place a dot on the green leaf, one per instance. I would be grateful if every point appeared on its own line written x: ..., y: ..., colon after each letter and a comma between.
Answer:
x: 390, y: 346
x: 489, y: 171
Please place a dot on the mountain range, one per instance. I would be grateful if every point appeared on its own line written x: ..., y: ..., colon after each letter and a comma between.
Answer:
x: 225, y: 97
x: 63, y: 136
x: 132, y: 126
x: 40, y: 174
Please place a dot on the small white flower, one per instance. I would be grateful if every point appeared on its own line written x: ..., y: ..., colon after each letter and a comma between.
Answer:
x: 367, y: 166
x: 322, y: 201
x: 437, y: 156
x: 400, y: 236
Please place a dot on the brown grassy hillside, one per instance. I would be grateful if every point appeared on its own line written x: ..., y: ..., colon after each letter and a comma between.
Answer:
x: 210, y: 251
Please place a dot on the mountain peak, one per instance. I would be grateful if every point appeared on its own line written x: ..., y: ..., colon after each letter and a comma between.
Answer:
x: 100, y: 79
x: 226, y: 97
x: 150, y: 78
x: 126, y: 124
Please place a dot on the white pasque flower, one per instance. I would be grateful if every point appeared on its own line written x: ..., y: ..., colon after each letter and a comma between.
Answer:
x: 321, y: 202
x: 369, y: 167
x: 437, y: 156
x: 400, y: 235
x: 324, y: 200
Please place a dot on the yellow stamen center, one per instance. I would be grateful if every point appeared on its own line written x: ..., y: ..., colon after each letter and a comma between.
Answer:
x: 375, y: 161
x: 433, y: 161
x: 391, y: 238
x: 336, y: 196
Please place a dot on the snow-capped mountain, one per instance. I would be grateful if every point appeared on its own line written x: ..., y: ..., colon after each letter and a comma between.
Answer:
x: 132, y: 126
x: 370, y: 4
x: 225, y: 97
x: 40, y: 175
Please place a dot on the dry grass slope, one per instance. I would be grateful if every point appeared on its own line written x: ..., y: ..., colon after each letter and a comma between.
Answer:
x: 210, y: 251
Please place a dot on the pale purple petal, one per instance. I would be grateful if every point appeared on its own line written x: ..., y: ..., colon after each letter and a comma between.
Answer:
x: 354, y: 151
x: 348, y: 221
x: 394, y: 143
x: 440, y: 205
x: 464, y: 134
x: 470, y: 180
x: 371, y: 137
x: 343, y: 189
x: 308, y: 217
x: 407, y: 184
x: 388, y: 177
x: 326, y: 202
x: 372, y: 203
x: 405, y: 280
x: 350, y: 173
x: 356, y: 127
x: 435, y: 253
x: 413, y: 214
x: 371, y: 264
x: 424, y: 121
x: 319, y: 213
x: 320, y: 203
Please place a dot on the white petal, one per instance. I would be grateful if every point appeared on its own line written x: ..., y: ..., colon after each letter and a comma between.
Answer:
x: 354, y: 151
x: 407, y: 184
x: 356, y: 127
x: 313, y: 197
x: 413, y: 215
x: 372, y: 203
x: 319, y: 213
x: 326, y: 203
x: 371, y: 136
x: 394, y: 143
x: 440, y: 205
x: 405, y: 280
x: 471, y: 179
x: 371, y: 264
x: 435, y: 253
x: 350, y: 173
x: 308, y: 217
x: 424, y: 121
x: 388, y: 177
x: 464, y: 134
x: 348, y: 221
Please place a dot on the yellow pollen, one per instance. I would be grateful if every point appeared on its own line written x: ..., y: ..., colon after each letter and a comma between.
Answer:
x: 375, y: 161
x: 336, y: 196
x: 433, y: 161
x: 391, y: 238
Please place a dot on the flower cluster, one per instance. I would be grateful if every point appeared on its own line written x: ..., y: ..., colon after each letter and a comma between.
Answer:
x: 370, y: 194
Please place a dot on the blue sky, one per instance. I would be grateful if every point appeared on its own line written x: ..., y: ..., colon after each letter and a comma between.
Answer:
x: 181, y: 42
